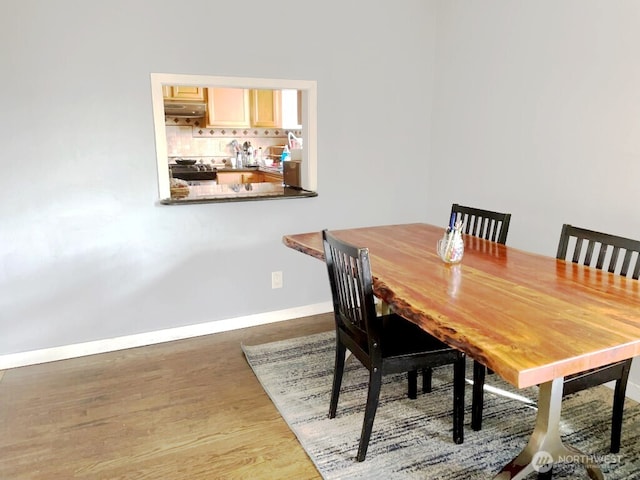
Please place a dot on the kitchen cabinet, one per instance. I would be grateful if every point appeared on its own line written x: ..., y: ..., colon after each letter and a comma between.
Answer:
x: 228, y: 107
x: 183, y: 92
x: 239, y: 177
x: 235, y: 107
x: 272, y: 177
x: 252, y: 176
x: 266, y: 108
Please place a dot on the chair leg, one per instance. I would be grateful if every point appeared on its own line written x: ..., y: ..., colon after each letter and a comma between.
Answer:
x: 375, y: 383
x: 458, y: 399
x: 618, y: 408
x: 477, y: 404
x: 427, y: 373
x: 413, y: 384
x: 337, y: 378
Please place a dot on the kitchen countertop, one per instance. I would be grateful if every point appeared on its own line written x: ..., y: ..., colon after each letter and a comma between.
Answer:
x: 207, y: 195
x: 275, y: 170
x: 240, y: 192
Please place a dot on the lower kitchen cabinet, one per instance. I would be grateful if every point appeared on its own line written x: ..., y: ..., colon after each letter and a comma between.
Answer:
x: 272, y: 177
x: 248, y: 177
x: 239, y: 177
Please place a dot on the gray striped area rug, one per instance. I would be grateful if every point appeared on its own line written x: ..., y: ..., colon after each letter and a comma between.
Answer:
x: 412, y: 439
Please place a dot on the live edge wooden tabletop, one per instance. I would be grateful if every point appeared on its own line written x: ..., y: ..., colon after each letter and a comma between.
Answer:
x: 529, y: 317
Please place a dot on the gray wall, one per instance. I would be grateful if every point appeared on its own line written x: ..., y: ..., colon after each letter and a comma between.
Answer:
x: 537, y: 112
x: 531, y: 107
x: 87, y: 254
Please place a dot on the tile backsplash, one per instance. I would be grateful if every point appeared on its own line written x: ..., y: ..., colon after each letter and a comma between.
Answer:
x: 215, y: 143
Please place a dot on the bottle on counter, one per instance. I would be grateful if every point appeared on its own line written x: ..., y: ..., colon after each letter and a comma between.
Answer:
x: 286, y: 155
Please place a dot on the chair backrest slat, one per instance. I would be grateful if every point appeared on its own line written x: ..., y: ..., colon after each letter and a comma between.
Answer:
x: 615, y: 254
x: 482, y: 223
x: 624, y: 269
x: 614, y: 257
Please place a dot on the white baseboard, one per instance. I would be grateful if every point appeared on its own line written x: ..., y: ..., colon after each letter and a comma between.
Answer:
x: 64, y: 352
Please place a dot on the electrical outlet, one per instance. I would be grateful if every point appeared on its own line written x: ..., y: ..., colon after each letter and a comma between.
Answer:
x: 276, y: 279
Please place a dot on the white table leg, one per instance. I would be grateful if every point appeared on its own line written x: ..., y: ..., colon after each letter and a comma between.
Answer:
x: 545, y: 446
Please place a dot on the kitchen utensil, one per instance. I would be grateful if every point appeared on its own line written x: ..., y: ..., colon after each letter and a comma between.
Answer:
x: 185, y: 161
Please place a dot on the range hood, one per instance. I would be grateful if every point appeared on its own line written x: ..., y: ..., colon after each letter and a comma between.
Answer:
x: 185, y: 110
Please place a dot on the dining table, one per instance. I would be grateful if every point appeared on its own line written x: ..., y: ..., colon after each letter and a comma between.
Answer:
x: 530, y: 318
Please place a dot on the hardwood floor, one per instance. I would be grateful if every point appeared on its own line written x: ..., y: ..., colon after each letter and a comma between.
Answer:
x: 190, y: 409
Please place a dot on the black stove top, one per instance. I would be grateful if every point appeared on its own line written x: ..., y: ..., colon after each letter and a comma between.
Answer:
x: 198, y: 167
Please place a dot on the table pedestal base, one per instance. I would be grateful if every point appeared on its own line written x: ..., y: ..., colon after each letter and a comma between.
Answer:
x: 545, y: 446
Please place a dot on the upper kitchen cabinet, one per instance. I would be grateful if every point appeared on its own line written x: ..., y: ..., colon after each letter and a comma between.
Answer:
x: 228, y: 107
x: 183, y: 92
x: 266, y: 108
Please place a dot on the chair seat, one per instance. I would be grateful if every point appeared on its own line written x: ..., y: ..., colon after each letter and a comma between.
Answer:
x: 405, y: 346
x: 599, y: 375
x: 405, y: 338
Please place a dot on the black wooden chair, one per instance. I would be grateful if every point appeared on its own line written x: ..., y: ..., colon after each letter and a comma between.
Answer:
x: 493, y: 226
x: 481, y: 223
x: 616, y: 255
x: 384, y: 344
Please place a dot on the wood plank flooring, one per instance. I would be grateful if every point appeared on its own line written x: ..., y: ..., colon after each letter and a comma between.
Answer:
x: 190, y: 409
